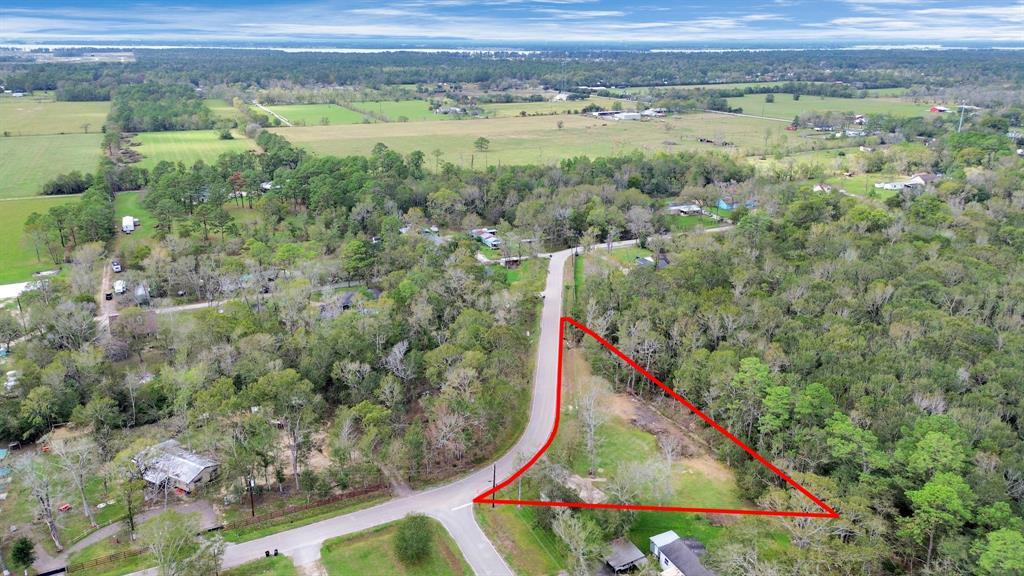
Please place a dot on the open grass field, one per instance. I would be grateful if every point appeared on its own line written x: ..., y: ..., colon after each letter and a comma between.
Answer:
x: 222, y: 109
x: 372, y: 552
x: 786, y: 108
x: 41, y: 114
x: 538, y: 140
x: 18, y: 257
x: 535, y: 108
x: 314, y: 114
x: 130, y: 204
x: 392, y: 111
x: 28, y: 162
x: 640, y: 90
x: 187, y: 146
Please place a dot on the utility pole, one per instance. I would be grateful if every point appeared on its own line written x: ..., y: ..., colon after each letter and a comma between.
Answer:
x: 252, y: 499
x: 494, y: 484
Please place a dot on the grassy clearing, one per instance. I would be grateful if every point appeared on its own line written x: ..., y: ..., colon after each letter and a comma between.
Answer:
x: 530, y: 550
x: 315, y: 114
x: 17, y: 256
x: 689, y: 222
x: 30, y: 115
x: 130, y: 204
x: 222, y: 109
x: 535, y: 108
x: 31, y: 161
x: 187, y: 146
x: 273, y: 566
x: 372, y: 552
x: 538, y: 140
x: 786, y: 108
x: 626, y: 255
x: 640, y: 90
x: 295, y: 520
x: 394, y: 111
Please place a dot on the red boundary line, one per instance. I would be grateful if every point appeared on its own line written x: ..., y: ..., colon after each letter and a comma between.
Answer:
x: 827, y: 512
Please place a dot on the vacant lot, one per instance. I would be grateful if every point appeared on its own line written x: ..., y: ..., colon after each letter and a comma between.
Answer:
x: 537, y: 139
x: 316, y: 114
x: 17, y: 256
x: 786, y: 108
x: 394, y: 111
x: 222, y: 109
x: 43, y: 115
x: 373, y: 552
x: 28, y: 162
x: 187, y: 146
x: 534, y: 108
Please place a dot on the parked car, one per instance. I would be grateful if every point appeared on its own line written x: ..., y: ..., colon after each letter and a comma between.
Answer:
x: 116, y: 266
x: 108, y: 296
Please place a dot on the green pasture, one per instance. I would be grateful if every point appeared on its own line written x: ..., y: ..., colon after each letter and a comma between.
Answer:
x: 187, y: 146
x: 41, y: 114
x: 372, y: 552
x: 393, y: 111
x: 784, y: 107
x: 28, y: 162
x: 539, y: 140
x: 17, y: 255
x: 222, y: 109
x: 316, y: 114
x: 538, y: 108
x: 273, y: 566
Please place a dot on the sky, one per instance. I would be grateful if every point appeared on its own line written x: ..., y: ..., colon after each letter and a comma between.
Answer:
x: 516, y: 23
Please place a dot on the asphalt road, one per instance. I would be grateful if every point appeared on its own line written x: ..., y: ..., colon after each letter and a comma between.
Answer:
x: 451, y: 504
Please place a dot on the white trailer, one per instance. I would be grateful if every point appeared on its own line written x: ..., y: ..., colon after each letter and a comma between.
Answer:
x: 120, y: 287
x: 127, y: 224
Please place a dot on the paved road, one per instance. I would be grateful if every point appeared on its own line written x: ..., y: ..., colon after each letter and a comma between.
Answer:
x: 450, y: 504
x: 272, y: 113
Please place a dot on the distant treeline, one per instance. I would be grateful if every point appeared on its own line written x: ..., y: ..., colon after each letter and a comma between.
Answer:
x: 867, y: 68
x: 152, y: 107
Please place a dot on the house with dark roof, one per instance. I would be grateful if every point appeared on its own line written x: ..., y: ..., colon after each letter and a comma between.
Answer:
x: 678, y: 557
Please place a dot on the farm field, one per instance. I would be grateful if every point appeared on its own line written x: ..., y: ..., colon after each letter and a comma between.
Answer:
x: 538, y: 139
x: 313, y: 114
x: 392, y: 111
x: 17, y: 256
x: 373, y: 552
x: 222, y: 108
x: 533, y: 108
x: 786, y: 108
x: 187, y: 146
x: 639, y: 90
x: 41, y: 114
x: 31, y: 161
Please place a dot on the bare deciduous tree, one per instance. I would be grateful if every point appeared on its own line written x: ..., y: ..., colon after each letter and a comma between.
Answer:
x: 592, y: 416
x: 46, y: 488
x: 77, y: 459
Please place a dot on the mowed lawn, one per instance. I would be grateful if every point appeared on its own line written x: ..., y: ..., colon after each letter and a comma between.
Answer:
x: 786, y: 108
x: 187, y: 146
x: 28, y: 162
x: 534, y: 108
x: 130, y: 204
x: 17, y: 256
x: 372, y: 552
x: 394, y: 111
x: 316, y: 114
x: 222, y: 109
x: 538, y: 139
x: 43, y: 115
x: 273, y: 566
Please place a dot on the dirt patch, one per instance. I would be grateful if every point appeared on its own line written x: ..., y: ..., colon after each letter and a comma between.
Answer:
x: 709, y: 467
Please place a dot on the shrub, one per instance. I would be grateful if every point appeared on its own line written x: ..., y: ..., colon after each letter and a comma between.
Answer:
x: 413, y: 539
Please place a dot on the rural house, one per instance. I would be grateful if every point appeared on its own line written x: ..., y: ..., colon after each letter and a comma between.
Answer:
x: 168, y: 464
x: 678, y: 557
x: 684, y: 209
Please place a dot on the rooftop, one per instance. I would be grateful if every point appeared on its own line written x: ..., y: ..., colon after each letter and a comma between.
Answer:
x: 169, y: 460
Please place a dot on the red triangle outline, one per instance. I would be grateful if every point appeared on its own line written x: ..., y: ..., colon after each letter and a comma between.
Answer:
x: 827, y: 512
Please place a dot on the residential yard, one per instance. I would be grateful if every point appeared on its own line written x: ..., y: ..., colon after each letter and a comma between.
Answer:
x: 241, y: 511
x: 529, y: 549
x: 31, y: 161
x: 785, y: 108
x: 372, y: 552
x: 187, y: 146
x: 394, y: 111
x: 130, y: 204
x: 686, y: 223
x: 273, y: 566
x: 538, y: 139
x: 41, y: 114
x: 17, y: 255
x: 316, y: 114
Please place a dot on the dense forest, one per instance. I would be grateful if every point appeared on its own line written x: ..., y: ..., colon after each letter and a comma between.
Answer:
x: 153, y: 107
x: 864, y: 68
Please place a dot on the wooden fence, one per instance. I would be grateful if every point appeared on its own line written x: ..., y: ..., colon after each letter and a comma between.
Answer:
x: 103, y: 560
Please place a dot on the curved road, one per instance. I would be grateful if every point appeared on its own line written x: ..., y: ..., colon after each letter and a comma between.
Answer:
x: 451, y: 504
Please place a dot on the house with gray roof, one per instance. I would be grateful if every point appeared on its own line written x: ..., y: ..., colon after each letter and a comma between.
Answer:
x: 169, y: 464
x: 678, y: 557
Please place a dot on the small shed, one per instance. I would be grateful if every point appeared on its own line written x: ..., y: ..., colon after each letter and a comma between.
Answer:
x: 624, y: 555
